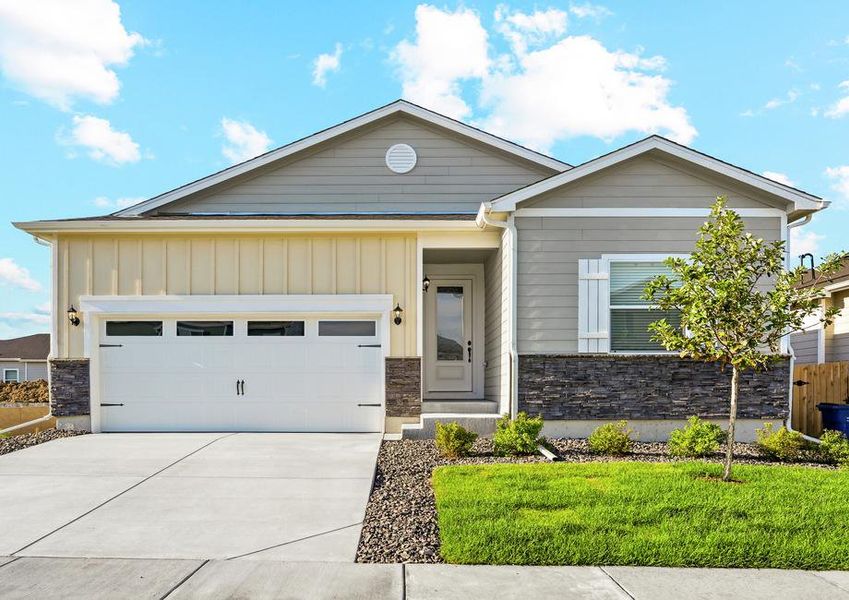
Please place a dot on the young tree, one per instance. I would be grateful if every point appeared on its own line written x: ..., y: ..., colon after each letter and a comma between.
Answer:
x: 736, y: 300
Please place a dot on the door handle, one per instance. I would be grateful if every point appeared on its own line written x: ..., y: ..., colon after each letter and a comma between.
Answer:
x: 237, y: 387
x: 243, y: 386
x: 469, y: 348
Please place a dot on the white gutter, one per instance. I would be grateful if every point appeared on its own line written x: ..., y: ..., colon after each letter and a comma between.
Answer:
x: 482, y: 220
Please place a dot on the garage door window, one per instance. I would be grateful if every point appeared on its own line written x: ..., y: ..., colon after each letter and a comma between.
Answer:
x: 276, y: 328
x: 204, y: 328
x: 134, y: 328
x: 346, y: 328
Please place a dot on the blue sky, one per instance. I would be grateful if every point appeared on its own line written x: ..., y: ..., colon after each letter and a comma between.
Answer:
x: 103, y: 104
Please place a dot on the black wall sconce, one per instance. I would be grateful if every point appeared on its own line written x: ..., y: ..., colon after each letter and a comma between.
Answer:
x: 425, y: 284
x: 398, y: 311
x: 72, y: 316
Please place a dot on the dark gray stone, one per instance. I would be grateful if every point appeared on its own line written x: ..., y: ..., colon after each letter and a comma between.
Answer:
x: 69, y: 387
x: 403, y: 387
x: 644, y: 387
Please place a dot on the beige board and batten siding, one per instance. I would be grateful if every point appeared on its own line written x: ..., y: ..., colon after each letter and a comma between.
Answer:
x: 349, y: 175
x: 129, y: 265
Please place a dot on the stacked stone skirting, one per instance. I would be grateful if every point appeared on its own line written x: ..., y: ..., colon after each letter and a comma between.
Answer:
x: 69, y: 387
x: 403, y: 387
x: 566, y: 387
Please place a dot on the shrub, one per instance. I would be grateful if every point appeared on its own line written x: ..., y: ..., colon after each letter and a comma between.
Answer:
x: 611, y: 438
x: 779, y: 444
x: 833, y: 448
x: 453, y: 440
x: 699, y: 438
x: 517, y: 436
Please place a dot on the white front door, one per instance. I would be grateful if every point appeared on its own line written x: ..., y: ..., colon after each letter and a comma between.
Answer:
x: 449, y: 344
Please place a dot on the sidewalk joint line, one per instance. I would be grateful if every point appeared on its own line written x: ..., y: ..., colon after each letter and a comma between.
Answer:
x: 828, y: 581
x: 307, y: 537
x: 403, y: 581
x: 119, y: 494
x: 185, y: 579
x: 617, y: 584
x: 9, y: 562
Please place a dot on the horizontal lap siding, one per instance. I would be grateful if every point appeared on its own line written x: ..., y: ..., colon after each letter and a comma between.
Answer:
x: 494, y: 323
x: 548, y: 253
x: 805, y: 346
x: 350, y: 175
x: 270, y: 264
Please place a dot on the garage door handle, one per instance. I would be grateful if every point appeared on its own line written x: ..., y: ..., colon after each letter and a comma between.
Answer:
x: 111, y: 404
x: 243, y: 387
x: 111, y: 345
x: 378, y: 404
x: 368, y: 345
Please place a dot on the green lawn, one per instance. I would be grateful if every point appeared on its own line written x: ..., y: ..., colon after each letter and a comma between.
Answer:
x: 643, y: 514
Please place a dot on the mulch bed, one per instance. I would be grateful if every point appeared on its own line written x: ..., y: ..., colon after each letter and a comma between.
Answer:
x: 19, y: 442
x: 400, y: 525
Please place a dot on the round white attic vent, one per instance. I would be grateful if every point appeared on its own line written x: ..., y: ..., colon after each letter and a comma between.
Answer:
x: 400, y: 158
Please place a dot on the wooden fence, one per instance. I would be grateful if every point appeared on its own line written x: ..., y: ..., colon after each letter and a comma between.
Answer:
x: 812, y: 384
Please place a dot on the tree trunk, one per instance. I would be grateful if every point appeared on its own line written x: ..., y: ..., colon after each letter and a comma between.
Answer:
x: 732, y: 421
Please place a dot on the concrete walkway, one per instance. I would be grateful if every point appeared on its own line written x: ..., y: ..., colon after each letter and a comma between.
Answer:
x: 95, y: 579
x: 188, y: 496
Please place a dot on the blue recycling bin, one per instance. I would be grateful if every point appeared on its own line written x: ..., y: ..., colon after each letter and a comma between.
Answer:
x: 835, y: 417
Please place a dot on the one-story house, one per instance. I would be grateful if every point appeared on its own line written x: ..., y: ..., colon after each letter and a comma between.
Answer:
x: 819, y: 344
x: 24, y: 358
x: 393, y: 270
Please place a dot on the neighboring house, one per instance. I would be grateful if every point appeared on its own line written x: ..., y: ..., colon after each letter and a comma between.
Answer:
x: 819, y: 344
x: 395, y: 269
x: 24, y: 358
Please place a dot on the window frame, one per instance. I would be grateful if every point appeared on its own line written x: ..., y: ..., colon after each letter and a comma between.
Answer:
x: 607, y: 259
x: 17, y: 375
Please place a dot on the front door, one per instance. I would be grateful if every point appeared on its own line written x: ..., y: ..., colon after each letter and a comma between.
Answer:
x: 448, y: 339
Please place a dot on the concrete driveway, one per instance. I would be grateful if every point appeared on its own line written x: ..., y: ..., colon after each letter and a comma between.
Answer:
x: 261, y: 496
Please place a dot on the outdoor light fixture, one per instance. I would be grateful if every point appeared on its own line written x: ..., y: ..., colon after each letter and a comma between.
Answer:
x: 425, y: 283
x: 398, y: 311
x: 72, y: 316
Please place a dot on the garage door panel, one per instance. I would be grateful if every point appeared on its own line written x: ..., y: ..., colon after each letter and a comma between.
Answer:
x: 291, y: 383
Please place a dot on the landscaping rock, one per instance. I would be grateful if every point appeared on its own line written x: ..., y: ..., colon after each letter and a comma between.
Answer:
x: 24, y: 392
x: 26, y: 440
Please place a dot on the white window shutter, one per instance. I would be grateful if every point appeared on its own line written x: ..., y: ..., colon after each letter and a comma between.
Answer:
x: 593, y: 306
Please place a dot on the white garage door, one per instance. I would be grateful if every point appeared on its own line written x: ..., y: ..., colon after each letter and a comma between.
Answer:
x: 240, y: 375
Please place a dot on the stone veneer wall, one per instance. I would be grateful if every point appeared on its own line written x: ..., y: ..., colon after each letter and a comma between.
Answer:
x: 403, y: 387
x: 69, y: 387
x: 566, y: 387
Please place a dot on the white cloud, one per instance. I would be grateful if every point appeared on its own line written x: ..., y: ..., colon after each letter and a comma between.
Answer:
x: 11, y: 273
x: 594, y: 11
x: 57, y: 50
x: 324, y: 64
x: 841, y: 107
x: 840, y: 176
x: 449, y: 47
x: 117, y: 203
x: 549, y: 87
x: 32, y: 318
x: 792, y: 96
x: 244, y: 141
x: 804, y: 242
x: 779, y: 177
x: 102, y: 142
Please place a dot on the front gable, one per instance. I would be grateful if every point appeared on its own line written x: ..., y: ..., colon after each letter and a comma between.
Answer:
x: 349, y: 175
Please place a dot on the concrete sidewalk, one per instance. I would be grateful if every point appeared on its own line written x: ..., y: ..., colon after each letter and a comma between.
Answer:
x: 108, y: 578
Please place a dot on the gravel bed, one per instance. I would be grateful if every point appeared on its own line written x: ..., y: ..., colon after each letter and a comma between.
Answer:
x: 400, y: 525
x: 19, y: 442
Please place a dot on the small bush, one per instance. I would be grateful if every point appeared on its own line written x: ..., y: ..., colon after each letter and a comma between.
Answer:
x: 699, y: 438
x: 779, y: 444
x: 833, y: 448
x: 611, y: 438
x: 517, y: 436
x: 453, y: 440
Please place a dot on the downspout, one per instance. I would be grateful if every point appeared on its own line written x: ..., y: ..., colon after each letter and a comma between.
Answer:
x: 799, y: 223
x: 482, y: 220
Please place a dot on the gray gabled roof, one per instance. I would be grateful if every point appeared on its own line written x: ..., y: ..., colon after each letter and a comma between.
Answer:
x: 30, y: 347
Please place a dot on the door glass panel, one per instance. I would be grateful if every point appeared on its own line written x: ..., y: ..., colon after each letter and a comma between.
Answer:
x: 346, y: 328
x: 449, y: 323
x: 278, y: 328
x: 134, y: 328
x: 204, y: 328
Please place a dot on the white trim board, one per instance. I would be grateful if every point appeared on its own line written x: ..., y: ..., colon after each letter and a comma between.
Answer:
x: 642, y: 212
x: 799, y: 199
x: 397, y: 107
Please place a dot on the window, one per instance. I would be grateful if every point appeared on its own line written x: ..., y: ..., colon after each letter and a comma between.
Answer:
x: 346, y: 328
x: 204, y: 328
x: 449, y: 323
x: 11, y: 375
x: 276, y: 328
x: 630, y: 315
x: 134, y: 328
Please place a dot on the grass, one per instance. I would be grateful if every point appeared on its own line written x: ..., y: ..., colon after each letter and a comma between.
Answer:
x: 619, y: 513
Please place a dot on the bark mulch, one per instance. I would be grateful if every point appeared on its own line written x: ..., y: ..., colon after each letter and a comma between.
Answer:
x: 400, y: 525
